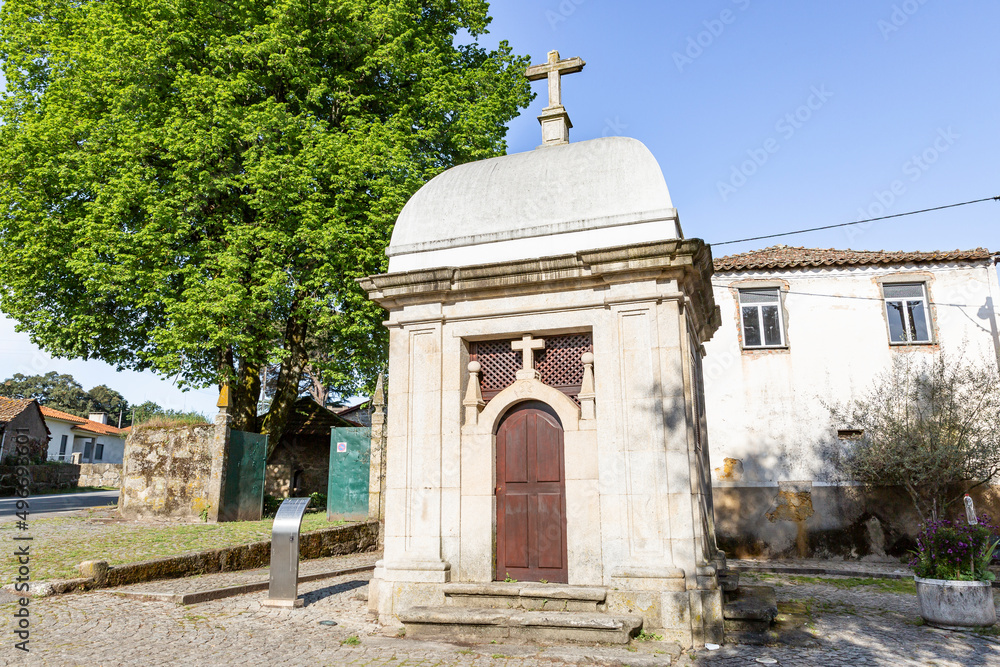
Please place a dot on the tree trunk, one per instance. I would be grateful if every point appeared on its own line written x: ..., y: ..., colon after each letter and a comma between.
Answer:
x: 287, y: 389
x: 245, y: 397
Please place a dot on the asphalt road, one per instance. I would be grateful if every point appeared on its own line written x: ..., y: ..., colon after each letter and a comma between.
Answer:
x: 59, y: 503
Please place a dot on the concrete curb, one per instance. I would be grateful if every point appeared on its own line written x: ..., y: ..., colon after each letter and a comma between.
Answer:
x: 820, y: 571
x: 811, y: 570
x: 338, y: 541
x: 231, y: 591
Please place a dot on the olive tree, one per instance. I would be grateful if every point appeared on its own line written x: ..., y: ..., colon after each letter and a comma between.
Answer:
x: 929, y: 425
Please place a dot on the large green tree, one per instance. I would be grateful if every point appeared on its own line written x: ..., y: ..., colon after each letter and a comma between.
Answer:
x: 193, y: 186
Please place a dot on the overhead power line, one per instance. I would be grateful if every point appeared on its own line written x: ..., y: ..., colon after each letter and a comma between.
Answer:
x: 858, y: 222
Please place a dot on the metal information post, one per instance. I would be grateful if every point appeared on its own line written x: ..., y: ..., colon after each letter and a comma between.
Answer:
x: 283, y: 590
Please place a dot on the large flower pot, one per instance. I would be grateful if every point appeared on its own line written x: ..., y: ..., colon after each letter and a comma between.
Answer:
x: 956, y: 605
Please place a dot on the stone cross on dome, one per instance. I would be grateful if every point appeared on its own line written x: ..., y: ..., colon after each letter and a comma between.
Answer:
x: 554, y: 119
x: 527, y: 346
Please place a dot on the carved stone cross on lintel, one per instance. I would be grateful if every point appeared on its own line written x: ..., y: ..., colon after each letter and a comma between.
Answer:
x: 527, y: 346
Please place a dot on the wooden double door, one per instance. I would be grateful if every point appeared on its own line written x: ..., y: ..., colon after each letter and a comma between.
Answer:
x: 531, y: 496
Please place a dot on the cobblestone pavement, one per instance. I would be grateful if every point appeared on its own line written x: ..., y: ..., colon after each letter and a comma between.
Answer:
x: 848, y: 626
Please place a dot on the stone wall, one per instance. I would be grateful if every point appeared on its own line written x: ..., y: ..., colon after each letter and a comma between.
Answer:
x: 169, y: 472
x: 798, y: 519
x: 323, y: 543
x: 100, y: 474
x: 44, y: 478
x: 25, y: 428
x: 307, y: 455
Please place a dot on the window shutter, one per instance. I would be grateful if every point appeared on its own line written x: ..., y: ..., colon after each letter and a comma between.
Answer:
x: 903, y: 291
x: 759, y: 295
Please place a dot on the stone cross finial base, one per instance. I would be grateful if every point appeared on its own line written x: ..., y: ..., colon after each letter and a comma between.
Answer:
x: 555, y: 124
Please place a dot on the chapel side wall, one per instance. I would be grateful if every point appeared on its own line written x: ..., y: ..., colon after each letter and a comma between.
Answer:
x: 414, y: 445
x: 768, y: 424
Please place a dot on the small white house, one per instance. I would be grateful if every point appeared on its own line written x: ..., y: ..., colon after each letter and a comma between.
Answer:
x: 95, y: 439
x: 803, y: 328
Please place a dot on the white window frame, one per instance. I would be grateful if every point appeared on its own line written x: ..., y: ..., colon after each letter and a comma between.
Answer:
x: 760, y: 318
x: 924, y: 303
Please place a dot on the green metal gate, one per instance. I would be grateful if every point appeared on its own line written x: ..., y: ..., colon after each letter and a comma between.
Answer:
x: 243, y: 494
x: 347, y: 488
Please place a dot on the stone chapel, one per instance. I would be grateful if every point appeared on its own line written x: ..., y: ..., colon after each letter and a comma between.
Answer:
x: 547, y: 467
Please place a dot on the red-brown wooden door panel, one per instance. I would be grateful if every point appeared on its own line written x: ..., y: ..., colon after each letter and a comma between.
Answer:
x: 531, y: 495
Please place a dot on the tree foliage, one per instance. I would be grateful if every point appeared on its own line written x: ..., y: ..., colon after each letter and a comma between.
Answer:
x: 63, y: 392
x: 193, y: 186
x: 930, y: 426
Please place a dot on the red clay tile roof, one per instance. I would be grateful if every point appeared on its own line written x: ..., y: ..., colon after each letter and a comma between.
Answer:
x: 12, y: 407
x: 310, y: 418
x: 98, y: 428
x: 65, y: 416
x: 82, y: 423
x: 789, y: 257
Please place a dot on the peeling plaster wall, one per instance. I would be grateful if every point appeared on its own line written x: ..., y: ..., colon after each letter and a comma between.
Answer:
x: 768, y: 420
x: 167, y: 472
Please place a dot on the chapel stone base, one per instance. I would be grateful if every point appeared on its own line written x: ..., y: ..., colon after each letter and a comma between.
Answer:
x: 553, y: 612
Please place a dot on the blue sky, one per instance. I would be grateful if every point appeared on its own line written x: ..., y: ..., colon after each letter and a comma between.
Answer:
x: 765, y: 117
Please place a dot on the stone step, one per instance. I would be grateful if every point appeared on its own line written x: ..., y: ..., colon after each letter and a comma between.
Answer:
x: 475, y: 624
x: 729, y: 580
x: 748, y: 617
x: 527, y: 596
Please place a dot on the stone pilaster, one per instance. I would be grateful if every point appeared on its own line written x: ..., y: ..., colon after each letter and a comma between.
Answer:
x: 219, y: 453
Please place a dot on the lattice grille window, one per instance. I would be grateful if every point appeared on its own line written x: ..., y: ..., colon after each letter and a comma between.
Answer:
x: 558, y: 364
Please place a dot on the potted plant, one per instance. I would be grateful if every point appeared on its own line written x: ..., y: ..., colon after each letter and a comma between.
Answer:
x: 951, y: 570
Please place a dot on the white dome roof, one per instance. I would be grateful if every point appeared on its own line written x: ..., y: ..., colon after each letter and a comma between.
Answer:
x: 553, y: 200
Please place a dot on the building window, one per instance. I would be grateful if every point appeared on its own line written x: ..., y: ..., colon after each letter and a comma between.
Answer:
x: 99, y: 452
x: 88, y: 449
x: 62, y: 448
x: 760, y: 310
x: 906, y: 311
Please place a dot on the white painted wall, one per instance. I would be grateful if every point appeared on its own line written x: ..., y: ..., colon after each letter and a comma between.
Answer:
x: 58, y: 429
x: 114, y: 446
x: 766, y: 408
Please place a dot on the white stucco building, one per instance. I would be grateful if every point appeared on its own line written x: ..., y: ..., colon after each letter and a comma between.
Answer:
x: 801, y: 329
x: 95, y: 439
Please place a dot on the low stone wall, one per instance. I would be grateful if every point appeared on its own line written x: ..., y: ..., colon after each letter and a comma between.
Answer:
x: 167, y: 472
x: 44, y: 478
x: 338, y: 541
x: 798, y: 520
x: 100, y: 474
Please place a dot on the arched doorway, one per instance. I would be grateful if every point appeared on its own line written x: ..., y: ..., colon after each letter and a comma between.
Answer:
x: 531, y: 495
